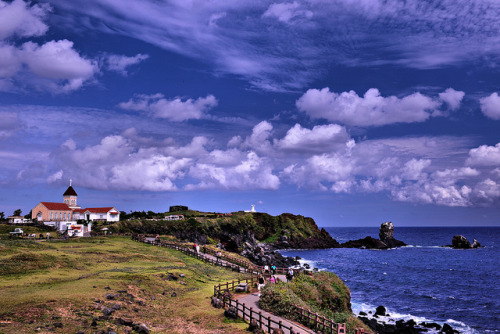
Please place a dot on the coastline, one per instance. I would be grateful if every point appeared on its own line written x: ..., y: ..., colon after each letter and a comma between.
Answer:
x: 360, y: 308
x: 434, y: 280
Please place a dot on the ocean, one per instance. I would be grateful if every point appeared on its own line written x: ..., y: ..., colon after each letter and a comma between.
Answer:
x: 422, y: 281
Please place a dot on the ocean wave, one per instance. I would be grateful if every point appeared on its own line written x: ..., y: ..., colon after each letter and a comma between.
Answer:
x: 394, y: 316
x: 427, y: 246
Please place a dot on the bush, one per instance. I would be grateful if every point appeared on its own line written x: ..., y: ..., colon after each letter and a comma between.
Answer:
x: 323, y: 293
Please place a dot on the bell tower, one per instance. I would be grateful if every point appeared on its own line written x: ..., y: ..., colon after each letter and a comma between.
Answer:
x: 70, y: 197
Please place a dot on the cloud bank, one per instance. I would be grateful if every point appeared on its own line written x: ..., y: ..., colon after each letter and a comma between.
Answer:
x: 322, y: 158
x: 372, y: 109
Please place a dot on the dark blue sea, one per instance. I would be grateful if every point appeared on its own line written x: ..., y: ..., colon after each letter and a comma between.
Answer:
x: 423, y: 281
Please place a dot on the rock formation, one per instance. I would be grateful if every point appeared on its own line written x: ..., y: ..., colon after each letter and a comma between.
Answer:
x: 262, y: 254
x: 461, y: 242
x: 387, y: 240
x: 386, y: 235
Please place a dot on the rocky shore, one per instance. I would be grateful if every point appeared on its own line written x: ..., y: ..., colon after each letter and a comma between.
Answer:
x: 380, y: 322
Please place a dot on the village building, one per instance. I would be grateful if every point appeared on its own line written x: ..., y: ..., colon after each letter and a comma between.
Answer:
x: 17, y: 220
x: 68, y: 217
x: 174, y: 217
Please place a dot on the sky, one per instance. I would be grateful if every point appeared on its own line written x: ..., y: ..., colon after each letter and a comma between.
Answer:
x: 350, y: 112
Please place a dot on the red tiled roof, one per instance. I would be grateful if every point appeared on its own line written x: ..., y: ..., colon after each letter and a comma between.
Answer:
x: 56, y: 206
x: 99, y: 210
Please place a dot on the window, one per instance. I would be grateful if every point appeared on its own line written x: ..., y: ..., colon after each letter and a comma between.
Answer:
x: 51, y: 215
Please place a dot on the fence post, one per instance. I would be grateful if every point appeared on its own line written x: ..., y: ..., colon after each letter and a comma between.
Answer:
x: 341, y: 329
x: 251, y: 310
x: 260, y: 320
x: 269, y: 324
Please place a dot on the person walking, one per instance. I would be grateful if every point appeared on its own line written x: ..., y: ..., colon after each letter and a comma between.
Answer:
x: 273, y: 269
x: 262, y: 282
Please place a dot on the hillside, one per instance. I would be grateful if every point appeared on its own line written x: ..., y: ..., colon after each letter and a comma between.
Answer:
x: 283, y: 231
x: 70, y: 286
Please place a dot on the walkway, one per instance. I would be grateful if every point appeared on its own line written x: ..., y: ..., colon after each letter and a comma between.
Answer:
x: 252, y: 300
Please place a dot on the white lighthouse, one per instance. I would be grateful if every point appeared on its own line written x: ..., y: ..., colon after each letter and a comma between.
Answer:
x: 252, y: 209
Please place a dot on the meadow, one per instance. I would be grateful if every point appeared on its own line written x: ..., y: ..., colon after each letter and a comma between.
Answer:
x: 67, y: 286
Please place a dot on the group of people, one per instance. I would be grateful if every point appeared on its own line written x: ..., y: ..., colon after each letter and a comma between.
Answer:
x: 273, y: 269
x: 262, y: 281
x: 272, y: 279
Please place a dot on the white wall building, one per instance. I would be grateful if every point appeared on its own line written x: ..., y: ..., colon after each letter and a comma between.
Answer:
x: 18, y: 220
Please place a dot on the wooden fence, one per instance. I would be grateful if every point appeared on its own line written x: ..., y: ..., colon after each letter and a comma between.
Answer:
x: 247, y: 313
x: 311, y: 320
x: 306, y: 317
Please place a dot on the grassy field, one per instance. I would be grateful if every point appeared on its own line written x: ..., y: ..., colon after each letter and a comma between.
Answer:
x: 62, y: 287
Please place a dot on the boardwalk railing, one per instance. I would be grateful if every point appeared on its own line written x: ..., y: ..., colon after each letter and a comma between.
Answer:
x: 232, y: 262
x: 306, y: 317
x: 311, y: 320
x: 247, y: 313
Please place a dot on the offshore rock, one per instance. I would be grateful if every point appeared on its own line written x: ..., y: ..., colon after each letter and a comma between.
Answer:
x: 461, y: 242
x: 367, y: 242
x: 386, y: 235
x: 386, y: 240
x: 386, y: 231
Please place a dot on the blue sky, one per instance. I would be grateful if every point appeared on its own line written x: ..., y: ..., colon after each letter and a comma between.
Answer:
x: 350, y: 112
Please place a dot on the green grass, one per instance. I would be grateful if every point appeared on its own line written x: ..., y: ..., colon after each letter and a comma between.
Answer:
x: 41, y: 282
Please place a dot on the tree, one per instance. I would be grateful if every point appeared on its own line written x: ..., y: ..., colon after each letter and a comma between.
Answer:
x: 17, y: 212
x: 2, y: 216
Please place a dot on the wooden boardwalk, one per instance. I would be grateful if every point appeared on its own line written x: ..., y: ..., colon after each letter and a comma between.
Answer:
x: 248, y: 304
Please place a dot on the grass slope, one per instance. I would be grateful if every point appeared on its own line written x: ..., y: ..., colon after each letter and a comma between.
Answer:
x: 322, y: 292
x: 46, y: 285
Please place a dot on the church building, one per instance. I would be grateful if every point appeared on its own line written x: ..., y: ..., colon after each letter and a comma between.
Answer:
x: 69, y: 216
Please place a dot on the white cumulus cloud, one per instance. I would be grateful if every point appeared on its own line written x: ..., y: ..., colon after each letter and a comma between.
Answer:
x: 120, y: 63
x: 59, y: 62
x: 490, y: 106
x: 21, y: 19
x: 484, y: 155
x: 320, y: 138
x: 452, y: 97
x: 371, y: 109
x: 175, y: 109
